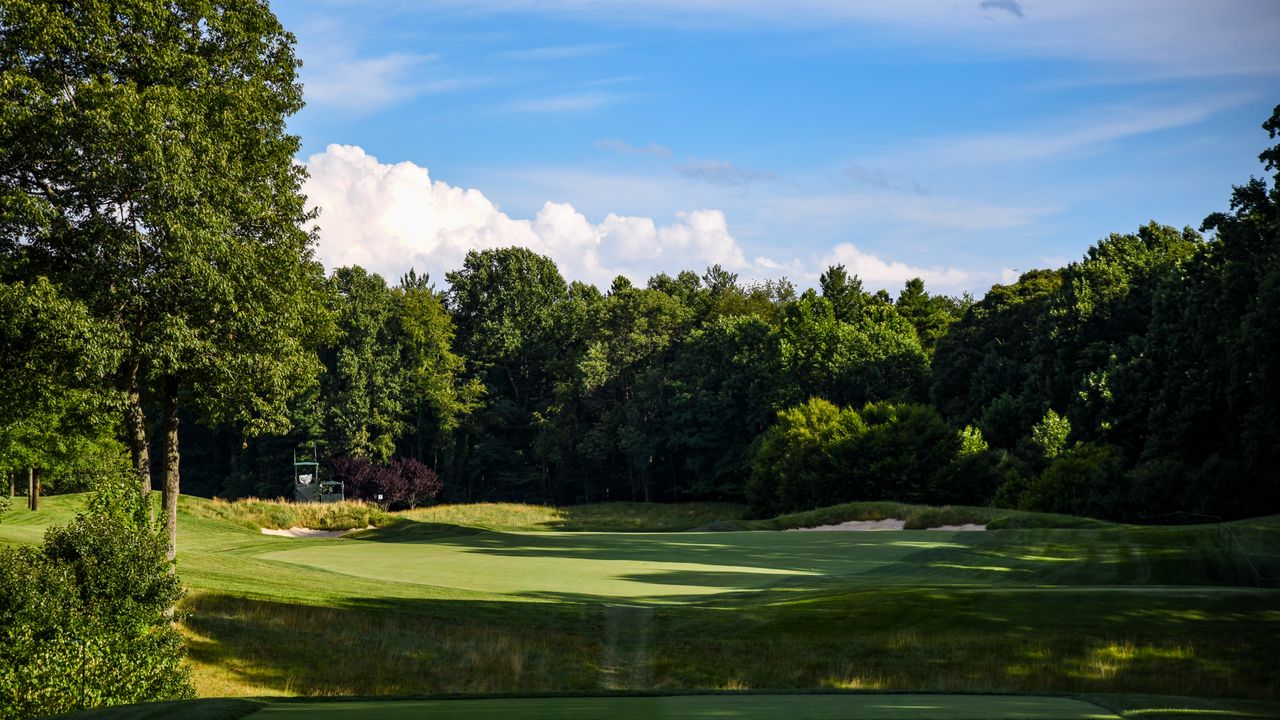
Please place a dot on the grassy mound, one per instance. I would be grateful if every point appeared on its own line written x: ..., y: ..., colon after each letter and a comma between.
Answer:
x: 282, y: 514
x: 255, y: 513
x: 597, y: 517
x: 918, y: 517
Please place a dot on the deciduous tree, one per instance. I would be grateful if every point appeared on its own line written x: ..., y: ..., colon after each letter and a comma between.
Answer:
x: 145, y: 167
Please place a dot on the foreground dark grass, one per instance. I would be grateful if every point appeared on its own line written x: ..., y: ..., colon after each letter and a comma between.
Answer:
x: 1122, y: 640
x: 717, y: 706
x: 678, y: 707
x: 244, y: 646
x: 1052, y: 640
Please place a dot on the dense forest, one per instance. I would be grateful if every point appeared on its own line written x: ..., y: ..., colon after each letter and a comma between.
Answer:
x: 1141, y: 379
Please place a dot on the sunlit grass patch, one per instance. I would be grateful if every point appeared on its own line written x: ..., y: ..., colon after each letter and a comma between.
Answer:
x: 597, y: 517
x: 922, y: 517
x: 245, y: 647
x: 281, y: 514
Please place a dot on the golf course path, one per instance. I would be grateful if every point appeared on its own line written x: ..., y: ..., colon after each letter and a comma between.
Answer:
x: 624, y: 658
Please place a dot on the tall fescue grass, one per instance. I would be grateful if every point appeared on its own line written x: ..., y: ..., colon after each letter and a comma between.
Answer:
x: 597, y: 517
x: 920, y: 517
x: 892, y: 641
x: 283, y: 514
x: 600, y: 517
x: 246, y: 647
x: 983, y: 641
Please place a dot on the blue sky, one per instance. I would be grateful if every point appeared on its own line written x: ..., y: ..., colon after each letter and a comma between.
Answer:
x: 959, y: 141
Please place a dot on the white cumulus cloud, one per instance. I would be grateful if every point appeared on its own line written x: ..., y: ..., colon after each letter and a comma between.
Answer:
x: 877, y: 272
x: 390, y: 217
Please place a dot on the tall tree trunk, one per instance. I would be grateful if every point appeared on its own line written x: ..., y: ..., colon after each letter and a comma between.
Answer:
x: 170, y: 494
x: 12, y: 482
x: 136, y: 428
x: 33, y: 490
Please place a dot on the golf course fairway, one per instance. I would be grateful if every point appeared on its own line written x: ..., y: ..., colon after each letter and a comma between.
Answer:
x: 1043, y: 622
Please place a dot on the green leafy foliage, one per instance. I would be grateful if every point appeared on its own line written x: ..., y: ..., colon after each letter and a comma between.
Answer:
x: 57, y: 408
x: 726, y: 392
x: 505, y: 304
x: 984, y: 362
x: 1213, y: 364
x: 930, y: 315
x: 818, y: 454
x: 364, y: 398
x: 1083, y: 480
x: 1049, y: 436
x: 802, y: 459
x: 146, y: 168
x: 85, y: 619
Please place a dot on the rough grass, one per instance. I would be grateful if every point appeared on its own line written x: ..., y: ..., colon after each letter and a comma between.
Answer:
x: 743, y: 706
x: 918, y: 517
x: 282, y: 514
x: 259, y: 647
x: 738, y: 706
x: 598, y: 517
x: 1057, y: 641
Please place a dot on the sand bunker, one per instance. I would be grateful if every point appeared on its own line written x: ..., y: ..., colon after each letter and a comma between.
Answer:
x: 301, y: 532
x: 886, y: 524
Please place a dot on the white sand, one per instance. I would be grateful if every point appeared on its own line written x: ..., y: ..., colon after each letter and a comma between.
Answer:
x: 301, y: 532
x: 886, y: 524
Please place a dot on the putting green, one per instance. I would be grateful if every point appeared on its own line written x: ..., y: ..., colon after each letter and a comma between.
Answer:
x: 703, y: 707
x: 691, y: 566
x: 655, y: 567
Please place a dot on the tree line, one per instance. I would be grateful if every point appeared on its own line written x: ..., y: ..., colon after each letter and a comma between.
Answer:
x: 1138, y: 380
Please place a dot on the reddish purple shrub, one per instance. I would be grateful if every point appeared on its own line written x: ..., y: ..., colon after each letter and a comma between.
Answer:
x: 420, y: 483
x: 406, y: 482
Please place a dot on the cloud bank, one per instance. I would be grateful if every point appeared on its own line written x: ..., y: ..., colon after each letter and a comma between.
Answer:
x: 391, y: 217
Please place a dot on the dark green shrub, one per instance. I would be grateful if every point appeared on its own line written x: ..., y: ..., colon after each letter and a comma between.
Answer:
x: 904, y: 455
x: 1007, y: 418
x: 85, y: 620
x: 818, y: 454
x: 801, y: 462
x: 1085, y: 479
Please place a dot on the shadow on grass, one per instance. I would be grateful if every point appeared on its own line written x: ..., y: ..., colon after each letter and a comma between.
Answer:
x: 1112, y: 556
x: 384, y: 646
x: 1203, y: 642
x: 210, y: 709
